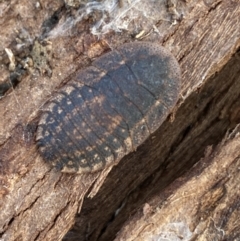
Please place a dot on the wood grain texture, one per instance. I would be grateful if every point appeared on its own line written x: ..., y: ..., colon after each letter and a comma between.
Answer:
x: 38, y: 203
x: 203, y: 204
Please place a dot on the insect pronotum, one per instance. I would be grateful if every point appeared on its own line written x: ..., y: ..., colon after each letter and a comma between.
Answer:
x: 110, y: 108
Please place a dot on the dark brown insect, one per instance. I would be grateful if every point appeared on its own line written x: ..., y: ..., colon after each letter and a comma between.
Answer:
x: 109, y: 109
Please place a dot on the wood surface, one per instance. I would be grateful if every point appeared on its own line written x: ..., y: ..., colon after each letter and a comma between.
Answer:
x: 39, y: 203
x: 201, y: 205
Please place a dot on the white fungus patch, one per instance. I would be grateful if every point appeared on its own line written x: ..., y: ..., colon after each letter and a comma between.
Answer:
x: 132, y: 15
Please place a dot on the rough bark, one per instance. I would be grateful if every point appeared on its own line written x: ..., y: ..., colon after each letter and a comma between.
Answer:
x: 38, y: 203
x: 201, y: 205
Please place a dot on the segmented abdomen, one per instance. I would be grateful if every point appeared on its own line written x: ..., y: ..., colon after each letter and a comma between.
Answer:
x: 109, y: 109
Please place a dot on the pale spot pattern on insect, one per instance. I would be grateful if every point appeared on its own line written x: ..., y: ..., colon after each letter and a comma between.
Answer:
x: 109, y: 109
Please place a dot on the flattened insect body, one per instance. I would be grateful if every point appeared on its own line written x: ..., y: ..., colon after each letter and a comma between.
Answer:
x: 109, y: 109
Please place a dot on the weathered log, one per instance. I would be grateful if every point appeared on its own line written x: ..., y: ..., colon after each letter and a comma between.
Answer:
x: 203, y: 204
x: 39, y: 203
